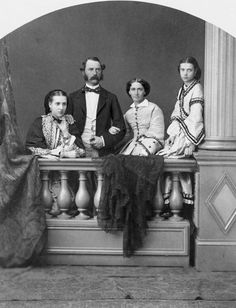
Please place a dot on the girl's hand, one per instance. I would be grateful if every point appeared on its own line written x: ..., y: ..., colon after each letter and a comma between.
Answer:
x: 74, y: 153
x: 69, y: 147
x: 189, y: 150
x: 69, y: 154
x: 170, y: 141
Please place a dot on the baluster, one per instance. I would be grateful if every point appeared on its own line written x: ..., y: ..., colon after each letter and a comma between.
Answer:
x: 158, y: 202
x: 97, y: 195
x: 55, y: 186
x: 47, y: 198
x: 64, y: 198
x: 166, y: 195
x: 82, y: 198
x: 187, y: 192
x: 176, y: 199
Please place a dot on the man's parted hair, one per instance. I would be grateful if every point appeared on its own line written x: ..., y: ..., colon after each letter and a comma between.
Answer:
x: 103, y: 66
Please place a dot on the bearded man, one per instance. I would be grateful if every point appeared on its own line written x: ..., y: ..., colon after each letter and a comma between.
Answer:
x: 96, y: 111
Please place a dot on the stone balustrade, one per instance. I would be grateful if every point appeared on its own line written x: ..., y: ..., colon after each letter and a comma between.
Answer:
x: 58, y: 205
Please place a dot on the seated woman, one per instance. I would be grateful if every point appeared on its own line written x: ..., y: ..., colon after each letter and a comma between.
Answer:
x: 144, y: 120
x: 55, y: 133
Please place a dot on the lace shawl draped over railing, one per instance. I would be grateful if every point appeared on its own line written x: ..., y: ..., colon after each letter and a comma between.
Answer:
x: 127, y: 195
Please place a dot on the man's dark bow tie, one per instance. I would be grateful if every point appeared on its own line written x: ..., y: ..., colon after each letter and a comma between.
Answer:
x: 87, y: 89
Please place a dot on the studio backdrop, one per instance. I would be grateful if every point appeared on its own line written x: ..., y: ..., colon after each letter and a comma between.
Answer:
x: 133, y: 39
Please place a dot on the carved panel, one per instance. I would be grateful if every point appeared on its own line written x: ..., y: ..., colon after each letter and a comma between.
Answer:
x: 222, y: 203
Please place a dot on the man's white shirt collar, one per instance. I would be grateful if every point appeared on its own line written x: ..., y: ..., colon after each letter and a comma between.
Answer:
x: 92, y: 87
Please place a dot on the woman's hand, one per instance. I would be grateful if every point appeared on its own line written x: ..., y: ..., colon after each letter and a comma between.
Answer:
x: 74, y: 153
x: 80, y: 152
x: 56, y: 151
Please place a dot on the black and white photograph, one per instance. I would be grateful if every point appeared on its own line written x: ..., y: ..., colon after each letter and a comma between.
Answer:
x: 118, y: 154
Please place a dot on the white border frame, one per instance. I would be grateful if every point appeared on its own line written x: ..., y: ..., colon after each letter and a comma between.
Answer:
x: 16, y: 13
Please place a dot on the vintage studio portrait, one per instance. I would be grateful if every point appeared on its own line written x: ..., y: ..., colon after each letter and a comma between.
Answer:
x: 117, y: 158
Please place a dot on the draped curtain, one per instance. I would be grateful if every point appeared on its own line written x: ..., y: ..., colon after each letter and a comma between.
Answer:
x: 22, y: 217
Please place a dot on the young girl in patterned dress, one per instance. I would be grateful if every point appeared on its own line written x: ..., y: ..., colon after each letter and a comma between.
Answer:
x: 186, y: 130
x: 55, y: 133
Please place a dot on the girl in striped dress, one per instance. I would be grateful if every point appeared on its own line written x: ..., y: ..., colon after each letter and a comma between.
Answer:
x: 186, y: 130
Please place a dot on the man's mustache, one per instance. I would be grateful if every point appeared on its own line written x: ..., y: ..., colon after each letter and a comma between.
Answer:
x: 94, y: 78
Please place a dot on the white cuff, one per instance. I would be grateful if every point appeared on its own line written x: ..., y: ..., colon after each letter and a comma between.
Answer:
x: 103, y: 142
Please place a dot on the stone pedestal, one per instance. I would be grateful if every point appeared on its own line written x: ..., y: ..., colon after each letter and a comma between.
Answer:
x: 215, y: 214
x: 215, y: 205
x: 84, y: 243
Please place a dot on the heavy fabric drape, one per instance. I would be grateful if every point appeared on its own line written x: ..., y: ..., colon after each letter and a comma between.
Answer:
x: 128, y: 191
x: 22, y: 218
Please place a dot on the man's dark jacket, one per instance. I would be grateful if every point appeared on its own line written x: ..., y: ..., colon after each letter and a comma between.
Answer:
x: 108, y: 114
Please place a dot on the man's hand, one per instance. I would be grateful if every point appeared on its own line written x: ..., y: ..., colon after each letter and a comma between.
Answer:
x: 96, y: 142
x: 114, y: 130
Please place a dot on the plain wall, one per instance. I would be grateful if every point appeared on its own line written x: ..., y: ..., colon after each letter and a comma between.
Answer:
x: 133, y: 39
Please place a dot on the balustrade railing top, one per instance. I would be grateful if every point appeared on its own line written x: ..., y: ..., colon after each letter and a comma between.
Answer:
x: 71, y: 164
x: 94, y: 164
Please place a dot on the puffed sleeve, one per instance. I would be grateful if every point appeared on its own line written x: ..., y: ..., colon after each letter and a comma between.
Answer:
x: 157, y: 125
x: 35, y: 140
x: 193, y: 125
x: 174, y: 127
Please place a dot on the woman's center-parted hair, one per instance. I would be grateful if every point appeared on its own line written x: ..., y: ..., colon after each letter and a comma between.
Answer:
x: 195, y: 64
x: 143, y: 82
x: 48, y: 98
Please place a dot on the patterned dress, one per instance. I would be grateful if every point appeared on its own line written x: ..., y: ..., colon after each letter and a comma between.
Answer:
x: 186, y: 120
x: 146, y: 122
x: 45, y: 135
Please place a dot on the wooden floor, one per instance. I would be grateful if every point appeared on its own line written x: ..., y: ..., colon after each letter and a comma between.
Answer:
x: 93, y: 286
